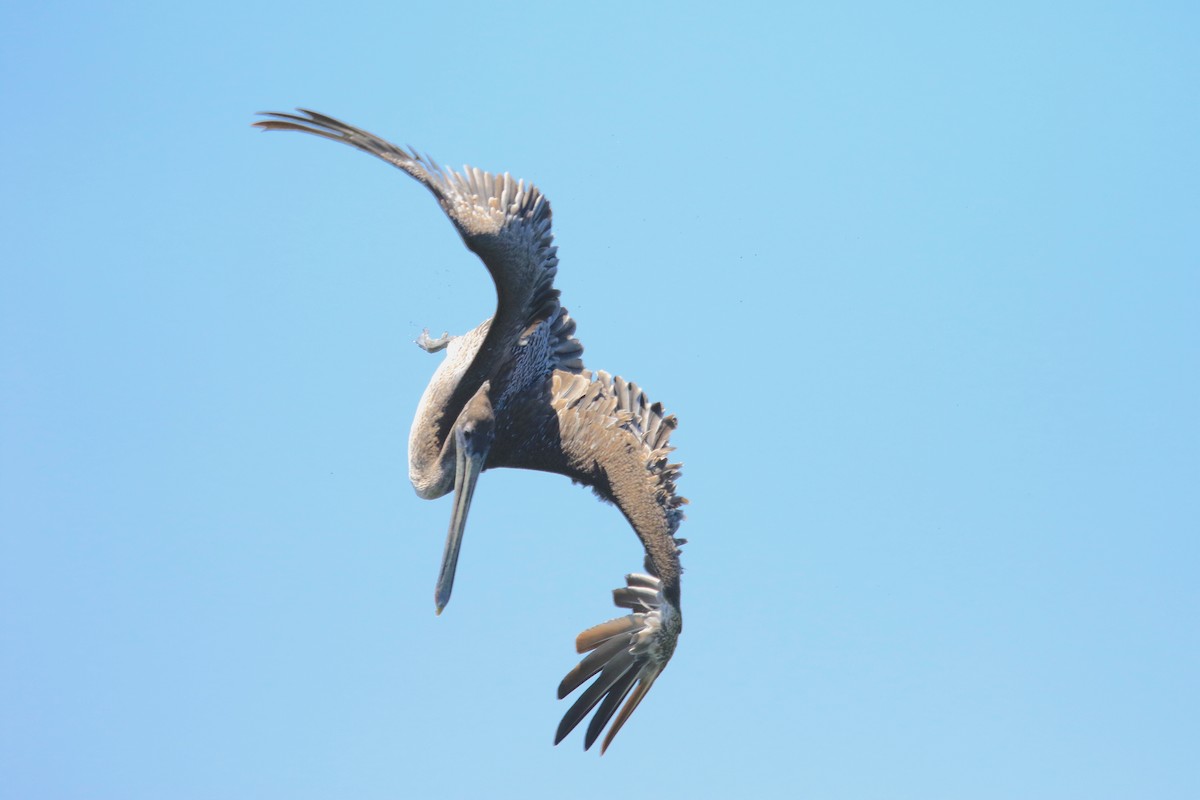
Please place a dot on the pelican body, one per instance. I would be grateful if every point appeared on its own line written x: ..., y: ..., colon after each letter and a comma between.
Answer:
x: 513, y: 392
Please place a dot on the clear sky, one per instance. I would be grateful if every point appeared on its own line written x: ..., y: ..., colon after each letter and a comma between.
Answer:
x: 921, y: 282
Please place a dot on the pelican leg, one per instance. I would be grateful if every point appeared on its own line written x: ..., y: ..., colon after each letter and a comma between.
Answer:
x: 430, y: 345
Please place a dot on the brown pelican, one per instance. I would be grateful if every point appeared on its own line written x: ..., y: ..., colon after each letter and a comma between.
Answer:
x: 513, y: 393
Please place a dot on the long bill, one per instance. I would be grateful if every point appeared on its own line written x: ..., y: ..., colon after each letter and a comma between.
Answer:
x: 468, y: 464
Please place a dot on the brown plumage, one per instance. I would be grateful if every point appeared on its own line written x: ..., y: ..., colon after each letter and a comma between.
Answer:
x: 513, y: 393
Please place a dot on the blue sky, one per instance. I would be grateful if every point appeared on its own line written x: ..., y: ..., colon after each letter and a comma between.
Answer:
x: 921, y: 282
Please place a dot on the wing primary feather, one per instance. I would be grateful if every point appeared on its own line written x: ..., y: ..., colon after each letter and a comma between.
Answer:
x: 611, y: 673
x: 591, y: 664
x: 598, y: 634
x: 612, y: 699
x: 630, y: 706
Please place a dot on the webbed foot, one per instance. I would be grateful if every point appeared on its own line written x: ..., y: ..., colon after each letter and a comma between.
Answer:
x: 433, y: 345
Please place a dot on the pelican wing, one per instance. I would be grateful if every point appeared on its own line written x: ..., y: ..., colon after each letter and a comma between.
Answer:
x: 614, y: 440
x: 504, y: 221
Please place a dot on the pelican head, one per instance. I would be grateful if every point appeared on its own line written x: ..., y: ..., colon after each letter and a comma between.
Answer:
x: 474, y: 431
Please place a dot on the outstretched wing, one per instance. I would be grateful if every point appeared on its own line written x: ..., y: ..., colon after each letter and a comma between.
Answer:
x: 504, y: 221
x: 612, y: 438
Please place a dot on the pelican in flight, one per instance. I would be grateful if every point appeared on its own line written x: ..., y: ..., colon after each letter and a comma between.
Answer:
x: 513, y: 393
